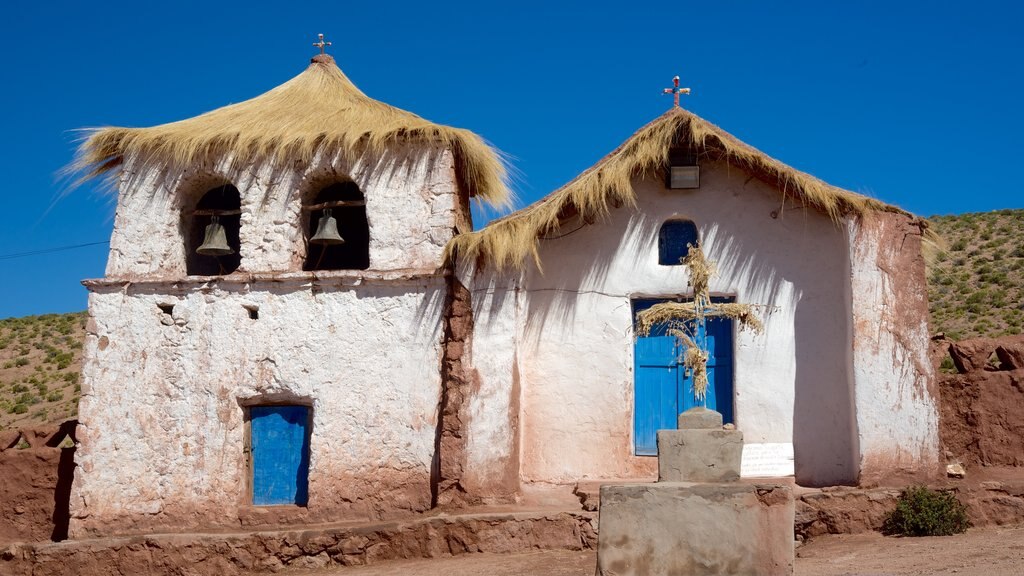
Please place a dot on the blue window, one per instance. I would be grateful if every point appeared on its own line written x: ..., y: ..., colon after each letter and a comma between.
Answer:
x: 673, y: 239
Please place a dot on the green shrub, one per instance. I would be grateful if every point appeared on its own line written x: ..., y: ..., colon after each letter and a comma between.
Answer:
x: 924, y: 512
x: 947, y: 365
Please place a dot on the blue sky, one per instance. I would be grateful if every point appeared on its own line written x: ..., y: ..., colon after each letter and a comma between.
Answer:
x: 914, y: 103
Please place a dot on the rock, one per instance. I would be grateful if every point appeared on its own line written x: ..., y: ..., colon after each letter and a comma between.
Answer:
x: 956, y: 470
x: 1010, y: 352
x: 973, y: 354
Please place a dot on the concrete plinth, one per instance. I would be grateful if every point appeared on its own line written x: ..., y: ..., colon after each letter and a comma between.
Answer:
x: 699, y: 455
x: 695, y: 529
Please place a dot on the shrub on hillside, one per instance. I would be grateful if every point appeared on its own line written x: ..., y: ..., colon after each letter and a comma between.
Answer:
x: 921, y: 511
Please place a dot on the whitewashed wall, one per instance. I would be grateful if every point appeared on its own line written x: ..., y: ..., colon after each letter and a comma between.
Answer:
x: 411, y: 198
x: 161, y: 417
x: 161, y: 414
x: 574, y: 348
x: 896, y: 394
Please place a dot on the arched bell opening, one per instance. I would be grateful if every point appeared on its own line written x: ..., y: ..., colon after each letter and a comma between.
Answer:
x: 337, y: 232
x: 213, y: 243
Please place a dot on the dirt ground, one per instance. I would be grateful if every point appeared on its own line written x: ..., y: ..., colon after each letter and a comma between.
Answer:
x: 979, y: 552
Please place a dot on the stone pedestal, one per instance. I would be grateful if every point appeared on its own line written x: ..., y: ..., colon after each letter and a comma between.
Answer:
x: 700, y: 451
x: 682, y: 528
x: 696, y: 520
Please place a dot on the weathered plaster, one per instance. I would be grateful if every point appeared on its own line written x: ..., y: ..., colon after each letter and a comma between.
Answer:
x: 161, y: 409
x: 895, y: 388
x: 573, y: 340
x: 164, y: 395
x: 410, y: 193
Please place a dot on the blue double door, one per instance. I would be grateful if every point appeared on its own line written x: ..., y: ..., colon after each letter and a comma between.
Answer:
x: 279, y: 440
x: 663, y: 387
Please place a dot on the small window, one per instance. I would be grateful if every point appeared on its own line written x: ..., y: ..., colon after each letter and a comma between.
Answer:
x: 212, y: 247
x: 673, y: 240
x: 338, y: 234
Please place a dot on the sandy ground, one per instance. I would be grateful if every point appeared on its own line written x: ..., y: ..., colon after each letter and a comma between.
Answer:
x: 979, y: 552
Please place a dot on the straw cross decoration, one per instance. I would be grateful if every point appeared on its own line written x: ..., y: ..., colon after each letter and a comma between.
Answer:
x: 321, y: 44
x: 675, y: 91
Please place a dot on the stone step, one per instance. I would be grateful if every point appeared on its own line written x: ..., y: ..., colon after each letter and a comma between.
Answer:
x: 432, y: 536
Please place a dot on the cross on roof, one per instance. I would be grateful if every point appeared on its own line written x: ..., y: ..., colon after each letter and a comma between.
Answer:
x: 675, y: 91
x: 321, y: 43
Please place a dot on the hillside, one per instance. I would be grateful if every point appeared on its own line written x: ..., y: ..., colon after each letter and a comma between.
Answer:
x: 976, y: 288
x: 976, y: 281
x: 40, y: 358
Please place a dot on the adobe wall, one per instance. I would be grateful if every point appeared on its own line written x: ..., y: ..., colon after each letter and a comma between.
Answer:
x: 161, y: 413
x: 37, y: 473
x: 894, y: 381
x: 172, y: 361
x: 982, y: 424
x: 563, y: 337
x: 411, y: 200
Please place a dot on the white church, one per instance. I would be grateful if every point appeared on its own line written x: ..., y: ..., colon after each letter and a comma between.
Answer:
x: 299, y: 324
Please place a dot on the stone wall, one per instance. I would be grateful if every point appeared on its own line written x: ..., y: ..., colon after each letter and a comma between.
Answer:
x: 982, y: 424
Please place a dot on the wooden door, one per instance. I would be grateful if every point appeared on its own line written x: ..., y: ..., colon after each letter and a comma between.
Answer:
x: 280, y: 454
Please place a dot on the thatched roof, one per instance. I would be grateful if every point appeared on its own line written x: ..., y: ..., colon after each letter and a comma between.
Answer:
x: 509, y: 241
x: 320, y: 109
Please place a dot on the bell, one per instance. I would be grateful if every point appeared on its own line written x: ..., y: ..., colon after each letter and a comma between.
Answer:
x: 327, y: 231
x: 215, y: 242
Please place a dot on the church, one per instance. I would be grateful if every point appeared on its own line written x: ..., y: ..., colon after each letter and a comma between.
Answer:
x: 298, y: 322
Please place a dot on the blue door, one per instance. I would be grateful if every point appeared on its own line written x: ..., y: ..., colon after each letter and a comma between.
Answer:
x: 280, y: 454
x: 663, y: 388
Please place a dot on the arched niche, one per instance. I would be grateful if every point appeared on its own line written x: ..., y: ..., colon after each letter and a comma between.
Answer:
x: 674, y: 239
x: 344, y: 202
x: 222, y: 204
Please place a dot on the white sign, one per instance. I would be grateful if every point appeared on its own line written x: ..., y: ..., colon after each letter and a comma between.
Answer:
x: 767, y: 460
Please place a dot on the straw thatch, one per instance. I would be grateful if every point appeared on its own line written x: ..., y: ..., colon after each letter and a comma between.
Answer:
x: 318, y: 110
x: 509, y: 241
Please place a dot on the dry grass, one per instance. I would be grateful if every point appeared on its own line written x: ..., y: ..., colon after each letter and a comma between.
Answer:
x: 512, y: 240
x: 40, y: 360
x: 318, y: 110
x: 976, y: 277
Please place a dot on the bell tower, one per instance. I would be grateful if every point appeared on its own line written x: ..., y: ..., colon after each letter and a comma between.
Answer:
x: 277, y: 283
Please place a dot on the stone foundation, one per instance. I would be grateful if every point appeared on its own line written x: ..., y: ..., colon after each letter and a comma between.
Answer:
x: 684, y: 528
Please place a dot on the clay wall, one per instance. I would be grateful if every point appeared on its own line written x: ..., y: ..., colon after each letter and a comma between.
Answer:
x: 172, y: 362
x: 982, y: 424
x: 562, y: 337
x: 895, y: 394
x: 37, y: 467
x: 411, y: 202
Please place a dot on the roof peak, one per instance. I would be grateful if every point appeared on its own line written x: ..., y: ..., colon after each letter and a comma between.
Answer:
x: 322, y: 59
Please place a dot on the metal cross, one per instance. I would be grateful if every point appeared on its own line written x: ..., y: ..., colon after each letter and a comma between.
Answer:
x: 321, y: 43
x: 675, y: 91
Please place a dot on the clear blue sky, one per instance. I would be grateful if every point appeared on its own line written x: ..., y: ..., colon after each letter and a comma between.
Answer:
x: 915, y: 103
